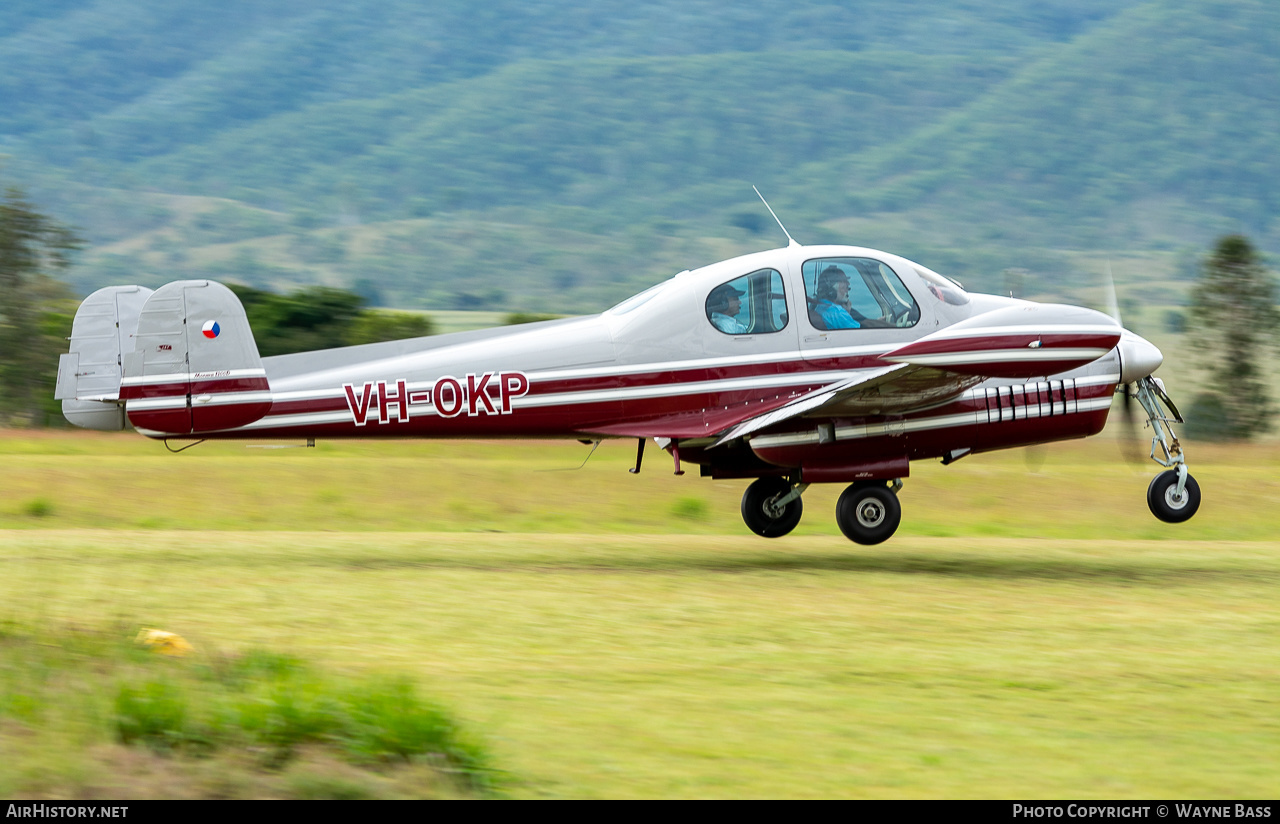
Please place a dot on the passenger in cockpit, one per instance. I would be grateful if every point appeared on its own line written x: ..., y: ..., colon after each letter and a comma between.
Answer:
x: 724, y: 303
x: 833, y: 300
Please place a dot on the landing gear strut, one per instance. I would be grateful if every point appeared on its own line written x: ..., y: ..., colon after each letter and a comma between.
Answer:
x: 869, y: 513
x: 772, y: 507
x: 1174, y: 496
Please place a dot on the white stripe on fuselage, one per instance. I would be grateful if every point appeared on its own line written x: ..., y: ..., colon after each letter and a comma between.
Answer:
x: 661, y: 390
x: 778, y: 381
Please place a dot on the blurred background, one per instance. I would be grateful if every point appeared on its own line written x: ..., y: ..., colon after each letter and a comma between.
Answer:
x: 512, y: 160
x: 559, y: 155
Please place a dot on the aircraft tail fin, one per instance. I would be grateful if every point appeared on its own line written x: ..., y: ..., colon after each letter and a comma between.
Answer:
x: 102, y: 334
x: 177, y: 361
x: 195, y: 366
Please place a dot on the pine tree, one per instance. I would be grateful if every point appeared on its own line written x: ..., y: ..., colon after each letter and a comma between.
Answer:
x: 31, y: 330
x: 1233, y: 317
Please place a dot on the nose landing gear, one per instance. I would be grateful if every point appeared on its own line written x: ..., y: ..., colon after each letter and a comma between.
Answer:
x: 1173, y: 496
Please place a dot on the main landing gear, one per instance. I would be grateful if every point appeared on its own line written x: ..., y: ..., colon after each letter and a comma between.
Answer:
x: 772, y: 506
x: 867, y: 513
x: 1173, y: 496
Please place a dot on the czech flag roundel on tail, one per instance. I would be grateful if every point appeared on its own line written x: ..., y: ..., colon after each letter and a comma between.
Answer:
x: 211, y: 329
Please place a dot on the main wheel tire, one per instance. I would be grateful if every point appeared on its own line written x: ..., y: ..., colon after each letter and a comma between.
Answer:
x: 868, y: 513
x: 1166, y: 504
x: 761, y: 516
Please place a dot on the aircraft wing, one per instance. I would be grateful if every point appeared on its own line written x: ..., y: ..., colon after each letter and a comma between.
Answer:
x: 883, y: 390
x: 684, y: 425
x: 901, y: 387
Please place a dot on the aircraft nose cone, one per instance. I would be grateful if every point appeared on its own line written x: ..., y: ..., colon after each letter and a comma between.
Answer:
x: 1139, y: 357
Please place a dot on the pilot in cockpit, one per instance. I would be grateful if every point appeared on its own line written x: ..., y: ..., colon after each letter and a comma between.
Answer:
x: 724, y: 303
x: 833, y: 300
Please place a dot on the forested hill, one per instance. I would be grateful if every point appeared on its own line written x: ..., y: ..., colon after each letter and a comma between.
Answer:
x: 1169, y: 114
x: 556, y: 155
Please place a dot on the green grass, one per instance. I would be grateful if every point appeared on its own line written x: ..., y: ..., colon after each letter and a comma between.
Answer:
x: 1080, y: 490
x: 97, y: 693
x: 1025, y: 635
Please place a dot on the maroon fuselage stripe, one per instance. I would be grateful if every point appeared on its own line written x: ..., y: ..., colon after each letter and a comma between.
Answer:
x: 698, y: 413
x: 996, y: 343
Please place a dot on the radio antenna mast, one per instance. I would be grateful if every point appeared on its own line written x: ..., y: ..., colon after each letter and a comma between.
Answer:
x: 790, y: 240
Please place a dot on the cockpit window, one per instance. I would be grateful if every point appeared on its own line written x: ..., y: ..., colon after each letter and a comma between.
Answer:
x: 856, y: 293
x: 750, y: 305
x: 943, y: 288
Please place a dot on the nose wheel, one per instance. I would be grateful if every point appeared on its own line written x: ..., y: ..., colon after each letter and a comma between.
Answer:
x: 868, y: 513
x: 1173, y: 496
x: 1171, y: 501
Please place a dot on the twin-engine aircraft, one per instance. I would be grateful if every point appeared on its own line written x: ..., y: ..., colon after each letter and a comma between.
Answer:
x: 796, y: 366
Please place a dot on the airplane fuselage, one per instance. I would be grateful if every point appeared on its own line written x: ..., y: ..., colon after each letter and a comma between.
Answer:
x: 661, y: 367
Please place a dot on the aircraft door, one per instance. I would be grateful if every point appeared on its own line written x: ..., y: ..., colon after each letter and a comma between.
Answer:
x: 749, y: 337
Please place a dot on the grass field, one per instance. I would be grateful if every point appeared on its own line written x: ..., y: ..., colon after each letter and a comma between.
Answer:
x: 1026, y: 634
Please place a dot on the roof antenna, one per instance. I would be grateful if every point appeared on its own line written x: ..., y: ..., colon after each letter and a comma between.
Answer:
x: 790, y: 240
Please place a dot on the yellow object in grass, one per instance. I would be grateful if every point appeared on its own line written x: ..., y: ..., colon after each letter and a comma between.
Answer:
x: 165, y: 643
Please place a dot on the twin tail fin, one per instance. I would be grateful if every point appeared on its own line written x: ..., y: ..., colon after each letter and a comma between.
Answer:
x: 177, y: 361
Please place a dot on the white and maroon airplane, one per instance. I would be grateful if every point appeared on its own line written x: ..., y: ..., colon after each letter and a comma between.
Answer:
x: 800, y: 365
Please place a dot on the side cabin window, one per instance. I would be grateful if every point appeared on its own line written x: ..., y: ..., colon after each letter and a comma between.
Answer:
x: 753, y: 304
x: 856, y: 293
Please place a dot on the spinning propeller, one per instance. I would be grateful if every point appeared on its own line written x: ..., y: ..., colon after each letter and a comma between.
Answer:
x: 1173, y: 496
x: 1129, y: 446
